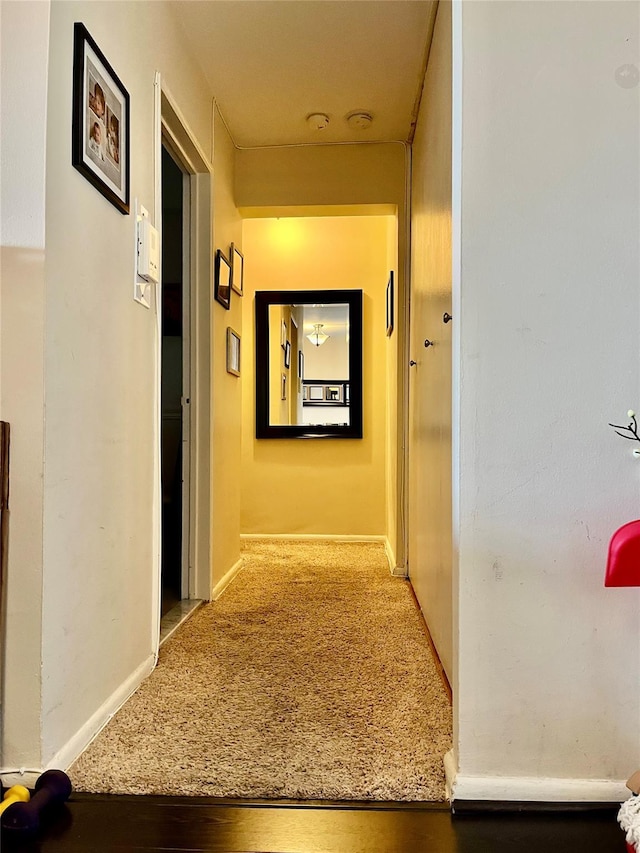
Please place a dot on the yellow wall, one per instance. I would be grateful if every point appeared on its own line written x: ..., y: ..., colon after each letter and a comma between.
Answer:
x: 318, y: 486
x: 226, y: 417
x: 430, y: 519
x: 345, y: 177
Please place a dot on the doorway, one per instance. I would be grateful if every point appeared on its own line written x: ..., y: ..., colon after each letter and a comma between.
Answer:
x: 175, y: 454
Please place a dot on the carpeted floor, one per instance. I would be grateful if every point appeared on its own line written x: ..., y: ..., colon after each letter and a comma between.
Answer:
x: 309, y: 678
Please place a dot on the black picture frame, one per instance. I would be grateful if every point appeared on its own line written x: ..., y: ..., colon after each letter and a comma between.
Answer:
x: 287, y: 355
x: 390, y: 304
x: 237, y: 269
x: 264, y: 428
x: 222, y: 285
x: 233, y: 352
x: 100, y: 127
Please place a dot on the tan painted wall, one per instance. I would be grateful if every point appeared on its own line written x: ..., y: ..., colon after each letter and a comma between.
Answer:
x: 346, y: 478
x: 227, y: 388
x: 430, y: 560
x: 343, y: 178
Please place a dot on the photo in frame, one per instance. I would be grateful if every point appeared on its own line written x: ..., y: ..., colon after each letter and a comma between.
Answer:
x: 287, y: 355
x: 390, y: 305
x: 233, y: 352
x: 283, y: 388
x: 100, y: 123
x: 237, y: 270
x: 222, y: 287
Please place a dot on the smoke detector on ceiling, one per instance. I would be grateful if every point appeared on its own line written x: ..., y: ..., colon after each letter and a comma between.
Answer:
x: 359, y: 120
x: 317, y: 121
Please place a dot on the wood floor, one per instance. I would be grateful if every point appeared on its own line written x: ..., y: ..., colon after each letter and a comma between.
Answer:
x: 105, y: 824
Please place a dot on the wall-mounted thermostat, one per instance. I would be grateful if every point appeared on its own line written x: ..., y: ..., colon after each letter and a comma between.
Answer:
x: 148, y: 251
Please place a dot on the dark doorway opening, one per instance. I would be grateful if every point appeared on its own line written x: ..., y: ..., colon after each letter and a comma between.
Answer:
x: 173, y: 344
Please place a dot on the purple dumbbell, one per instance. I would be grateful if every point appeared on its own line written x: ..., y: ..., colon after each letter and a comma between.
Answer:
x: 23, y: 819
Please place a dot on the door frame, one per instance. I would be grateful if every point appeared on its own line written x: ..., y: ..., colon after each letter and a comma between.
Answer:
x: 172, y: 131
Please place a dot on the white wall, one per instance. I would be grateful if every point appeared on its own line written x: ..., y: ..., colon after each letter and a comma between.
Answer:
x: 25, y: 39
x: 91, y: 355
x: 548, y: 659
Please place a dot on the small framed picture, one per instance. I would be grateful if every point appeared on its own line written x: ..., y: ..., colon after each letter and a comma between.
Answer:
x: 390, y: 305
x: 283, y: 392
x: 287, y: 355
x: 316, y: 393
x: 283, y: 334
x: 222, y: 290
x: 334, y: 394
x: 100, y: 123
x: 237, y: 270
x: 233, y: 352
x: 305, y: 392
x: 300, y: 364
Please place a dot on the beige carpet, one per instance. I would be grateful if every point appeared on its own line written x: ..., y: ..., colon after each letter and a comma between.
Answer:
x: 309, y: 678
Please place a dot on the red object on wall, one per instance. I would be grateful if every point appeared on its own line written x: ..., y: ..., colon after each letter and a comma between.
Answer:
x: 623, y: 562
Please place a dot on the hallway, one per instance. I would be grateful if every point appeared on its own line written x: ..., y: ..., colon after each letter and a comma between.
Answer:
x: 310, y: 678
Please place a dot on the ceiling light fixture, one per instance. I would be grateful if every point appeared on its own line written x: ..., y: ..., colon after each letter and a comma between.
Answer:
x: 317, y: 121
x: 318, y: 337
x: 359, y: 120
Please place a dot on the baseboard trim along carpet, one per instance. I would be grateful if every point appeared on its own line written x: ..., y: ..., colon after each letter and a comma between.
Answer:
x: 309, y: 679
x: 225, y: 580
x: 311, y: 537
x: 518, y: 789
x: 67, y: 754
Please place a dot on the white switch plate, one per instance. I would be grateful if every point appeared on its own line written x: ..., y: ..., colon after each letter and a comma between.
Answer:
x: 140, y: 286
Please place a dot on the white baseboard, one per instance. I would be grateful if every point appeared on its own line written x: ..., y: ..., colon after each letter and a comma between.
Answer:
x: 65, y: 756
x: 450, y: 772
x: 532, y: 789
x: 225, y: 580
x: 396, y: 570
x: 315, y: 537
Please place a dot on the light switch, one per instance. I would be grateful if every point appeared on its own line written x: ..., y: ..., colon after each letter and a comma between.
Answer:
x: 148, y: 251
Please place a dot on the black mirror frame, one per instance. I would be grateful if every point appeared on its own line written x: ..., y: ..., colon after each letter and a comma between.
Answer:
x: 265, y: 298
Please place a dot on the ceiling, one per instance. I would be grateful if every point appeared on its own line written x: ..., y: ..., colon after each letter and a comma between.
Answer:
x: 271, y: 63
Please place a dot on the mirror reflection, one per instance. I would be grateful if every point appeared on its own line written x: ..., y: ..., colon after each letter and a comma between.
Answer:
x: 309, y: 364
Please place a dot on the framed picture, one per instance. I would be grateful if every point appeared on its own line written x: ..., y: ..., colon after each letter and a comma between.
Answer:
x: 237, y: 270
x: 390, y: 306
x: 100, y: 123
x: 223, y: 280
x: 316, y: 393
x: 334, y: 394
x: 233, y: 352
x: 283, y: 335
x: 300, y: 364
x: 287, y: 355
x: 283, y: 391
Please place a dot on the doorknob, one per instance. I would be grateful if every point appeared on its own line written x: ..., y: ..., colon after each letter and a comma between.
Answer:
x: 446, y: 317
x: 428, y: 343
x: 412, y: 363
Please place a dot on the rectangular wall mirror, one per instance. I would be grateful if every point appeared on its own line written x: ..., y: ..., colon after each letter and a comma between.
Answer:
x: 309, y: 364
